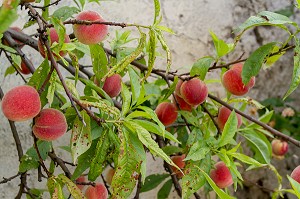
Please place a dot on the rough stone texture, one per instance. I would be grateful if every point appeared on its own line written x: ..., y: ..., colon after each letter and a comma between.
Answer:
x: 191, y: 20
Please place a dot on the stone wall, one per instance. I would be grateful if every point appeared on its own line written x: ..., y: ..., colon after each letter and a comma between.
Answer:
x: 191, y: 20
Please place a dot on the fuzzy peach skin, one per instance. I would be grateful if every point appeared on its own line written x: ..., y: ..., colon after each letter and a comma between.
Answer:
x: 232, y: 81
x: 90, y: 34
x: 97, y: 192
x: 112, y: 85
x: 296, y: 174
x: 166, y: 113
x: 279, y: 147
x: 24, y: 69
x: 194, y: 91
x: 21, y: 103
x: 221, y: 175
x: 80, y: 179
x: 178, y: 160
x: 53, y: 38
x: 223, y: 116
x: 50, y: 124
x: 182, y: 104
x: 177, y: 88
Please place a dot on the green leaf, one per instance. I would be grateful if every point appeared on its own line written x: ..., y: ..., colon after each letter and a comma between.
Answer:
x: 74, y: 190
x: 98, y: 161
x: 135, y: 84
x: 218, y: 191
x: 10, y: 70
x: 170, y: 149
x: 65, y: 12
x: 157, y: 10
x: 166, y: 48
x: 150, y: 126
x: 126, y: 96
x: 130, y: 158
x: 229, y: 130
x: 198, y: 151
x: 54, y: 187
x: 265, y: 118
x: 153, y: 181
x: 99, y: 60
x: 39, y: 75
x: 246, y: 100
x: 295, y: 186
x: 81, y: 136
x: 151, y: 53
x: 193, y: 180
x: 201, y: 66
x: 296, y: 72
x: 145, y: 137
x: 221, y: 46
x: 166, y: 29
x: 8, y: 14
x: 260, y: 144
x: 171, y: 89
x: 266, y: 18
x: 121, y: 65
x: 254, y: 62
x: 165, y: 190
x: 246, y: 159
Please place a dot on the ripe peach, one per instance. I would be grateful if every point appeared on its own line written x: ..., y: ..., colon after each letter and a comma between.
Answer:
x: 182, y: 104
x: 24, y: 69
x: 109, y: 175
x: 178, y: 160
x: 97, y: 192
x: 232, y: 81
x: 21, y: 103
x: 296, y: 174
x: 50, y: 124
x: 53, y: 38
x: 166, y: 113
x: 194, y: 91
x: 221, y: 175
x: 15, y: 29
x: 90, y: 34
x: 80, y: 179
x: 279, y: 147
x: 112, y: 85
x: 177, y: 88
x: 223, y: 116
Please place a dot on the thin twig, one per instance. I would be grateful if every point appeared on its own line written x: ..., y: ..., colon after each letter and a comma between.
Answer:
x: 5, y: 180
x: 60, y: 162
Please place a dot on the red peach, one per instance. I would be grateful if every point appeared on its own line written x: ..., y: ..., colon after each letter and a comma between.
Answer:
x: 232, y: 81
x: 50, y: 124
x: 90, y: 34
x: 194, y: 91
x: 296, y: 174
x: 21, y: 103
x: 166, y: 113
x: 221, y: 175
x: 178, y: 160
x: 97, y: 192
x: 177, y: 88
x: 80, y: 179
x: 24, y: 69
x: 53, y: 38
x: 223, y: 116
x: 182, y: 104
x: 112, y: 85
x: 279, y: 147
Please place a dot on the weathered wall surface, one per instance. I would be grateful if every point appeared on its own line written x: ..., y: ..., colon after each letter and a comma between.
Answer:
x: 191, y: 20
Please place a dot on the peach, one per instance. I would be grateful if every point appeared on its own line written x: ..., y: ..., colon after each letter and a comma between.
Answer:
x: 296, y: 174
x: 15, y: 29
x: 90, y: 34
x: 221, y: 175
x: 178, y: 160
x: 109, y: 175
x: 24, y: 69
x: 21, y: 103
x: 166, y: 113
x: 50, y: 124
x: 53, y: 38
x: 279, y: 147
x: 112, y: 85
x: 182, y: 104
x: 223, y: 116
x: 80, y: 179
x: 232, y: 81
x: 97, y: 192
x: 177, y: 88
x: 194, y: 91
